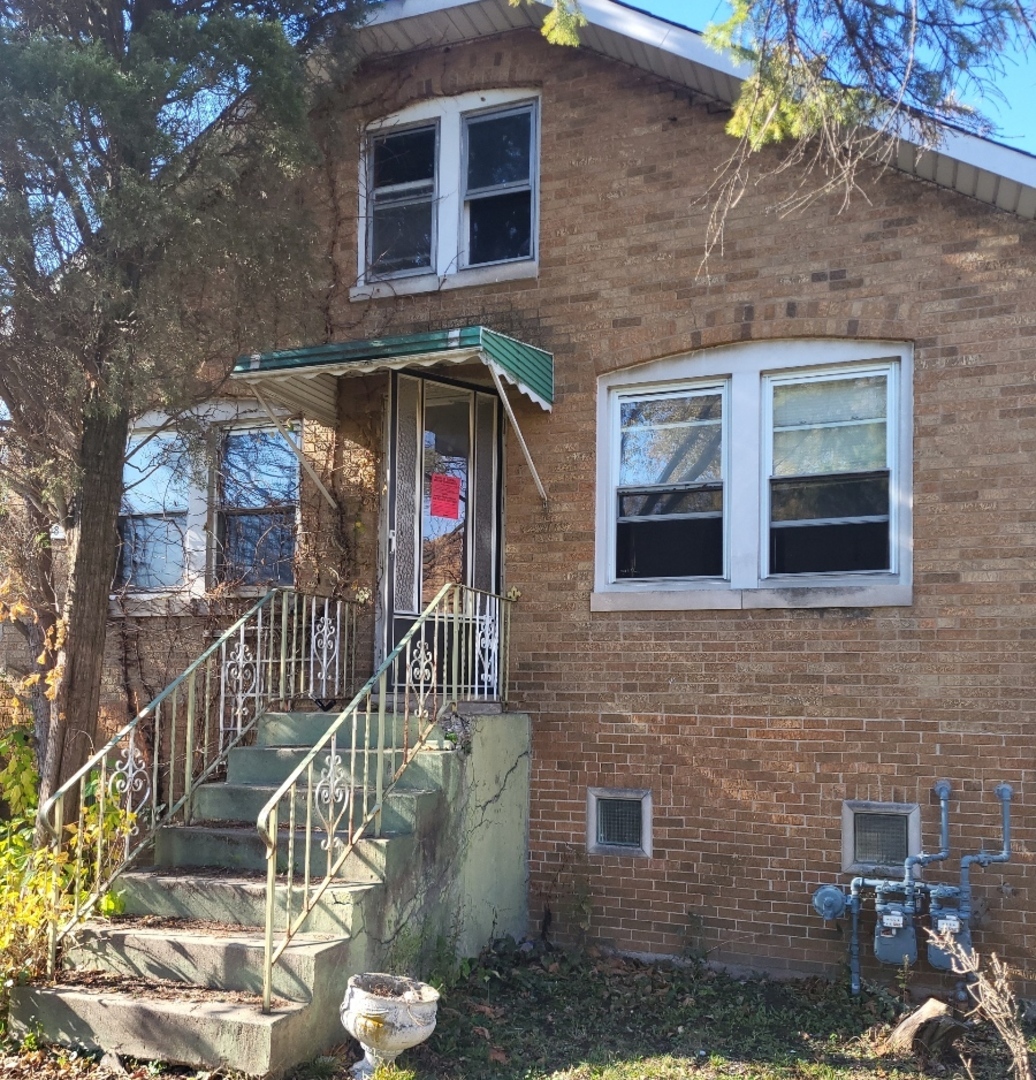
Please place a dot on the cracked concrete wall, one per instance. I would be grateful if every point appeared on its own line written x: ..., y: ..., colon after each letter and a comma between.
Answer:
x: 492, y: 886
x: 465, y: 880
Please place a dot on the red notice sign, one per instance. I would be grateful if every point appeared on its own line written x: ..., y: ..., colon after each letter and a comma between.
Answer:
x: 445, y: 496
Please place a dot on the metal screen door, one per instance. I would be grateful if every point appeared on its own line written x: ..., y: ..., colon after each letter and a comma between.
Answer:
x: 444, y: 495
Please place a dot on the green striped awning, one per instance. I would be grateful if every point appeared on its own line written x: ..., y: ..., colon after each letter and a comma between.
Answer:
x: 306, y: 379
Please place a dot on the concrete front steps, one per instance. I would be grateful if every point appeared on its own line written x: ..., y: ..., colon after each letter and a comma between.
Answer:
x: 183, y: 965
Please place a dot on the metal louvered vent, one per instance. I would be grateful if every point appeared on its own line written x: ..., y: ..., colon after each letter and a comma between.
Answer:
x: 619, y: 822
x: 880, y: 839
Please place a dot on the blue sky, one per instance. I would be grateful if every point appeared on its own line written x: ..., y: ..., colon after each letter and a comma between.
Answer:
x: 1015, y: 116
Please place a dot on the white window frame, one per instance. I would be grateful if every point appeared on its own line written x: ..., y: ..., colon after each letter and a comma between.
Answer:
x: 449, y: 222
x: 852, y: 807
x: 203, y: 509
x: 749, y: 370
x: 670, y: 390
x: 641, y: 795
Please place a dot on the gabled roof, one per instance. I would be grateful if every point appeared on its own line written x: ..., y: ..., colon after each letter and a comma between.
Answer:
x: 980, y: 168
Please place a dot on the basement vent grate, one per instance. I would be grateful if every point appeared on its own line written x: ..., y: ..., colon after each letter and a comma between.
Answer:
x: 619, y: 822
x: 880, y: 839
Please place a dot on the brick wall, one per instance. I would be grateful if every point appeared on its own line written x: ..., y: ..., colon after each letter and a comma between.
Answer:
x: 749, y: 727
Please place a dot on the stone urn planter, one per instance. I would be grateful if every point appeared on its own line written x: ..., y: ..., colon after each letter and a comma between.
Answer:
x: 387, y: 1014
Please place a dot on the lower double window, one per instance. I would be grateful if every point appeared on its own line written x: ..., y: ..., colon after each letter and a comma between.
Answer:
x: 239, y: 488
x: 759, y: 468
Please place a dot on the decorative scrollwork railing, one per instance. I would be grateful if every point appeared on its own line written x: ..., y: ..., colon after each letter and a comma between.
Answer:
x: 285, y: 648
x: 456, y: 651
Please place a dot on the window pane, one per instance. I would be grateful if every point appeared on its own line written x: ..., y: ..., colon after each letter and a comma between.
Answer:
x: 671, y: 440
x: 669, y: 547
x: 829, y: 401
x: 444, y: 507
x: 500, y: 228
x: 652, y: 503
x: 823, y: 549
x: 152, y: 552
x: 406, y: 158
x: 258, y: 548
x: 842, y: 497
x: 157, y: 479
x: 401, y: 237
x: 499, y: 150
x: 830, y: 425
x: 259, y: 470
x: 157, y: 475
x: 620, y: 822
x: 880, y: 839
x: 811, y: 451
x: 261, y: 475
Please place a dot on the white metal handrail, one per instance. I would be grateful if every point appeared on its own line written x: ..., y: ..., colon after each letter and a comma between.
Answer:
x: 456, y: 651
x: 287, y: 646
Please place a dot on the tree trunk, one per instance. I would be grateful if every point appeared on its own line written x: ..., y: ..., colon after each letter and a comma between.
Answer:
x: 91, y: 550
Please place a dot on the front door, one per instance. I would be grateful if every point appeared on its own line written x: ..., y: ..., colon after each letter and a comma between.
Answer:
x: 444, y: 495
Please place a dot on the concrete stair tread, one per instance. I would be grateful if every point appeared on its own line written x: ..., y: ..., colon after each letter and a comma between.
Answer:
x: 236, y: 899
x: 197, y: 931
x: 251, y: 881
x: 179, y: 1025
x: 229, y: 960
x: 243, y: 830
x: 167, y: 993
x: 265, y: 786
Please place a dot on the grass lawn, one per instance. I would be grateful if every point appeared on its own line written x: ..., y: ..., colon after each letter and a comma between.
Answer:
x: 585, y: 1016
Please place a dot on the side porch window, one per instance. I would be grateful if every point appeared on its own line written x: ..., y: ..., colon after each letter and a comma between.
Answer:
x: 220, y: 509
x: 259, y: 497
x: 157, y: 481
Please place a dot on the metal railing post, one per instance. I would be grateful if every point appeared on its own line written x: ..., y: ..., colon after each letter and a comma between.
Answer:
x: 52, y: 930
x: 455, y: 647
x: 282, y: 690
x: 271, y: 897
x: 188, y: 769
x: 379, y: 770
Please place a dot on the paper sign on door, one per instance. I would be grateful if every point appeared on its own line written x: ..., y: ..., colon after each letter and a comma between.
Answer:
x: 445, y: 496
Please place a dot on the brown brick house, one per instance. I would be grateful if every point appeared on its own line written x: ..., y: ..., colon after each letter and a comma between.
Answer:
x: 771, y: 521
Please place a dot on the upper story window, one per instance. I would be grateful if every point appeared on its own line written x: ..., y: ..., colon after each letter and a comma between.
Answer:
x: 402, y: 201
x: 449, y: 194
x: 498, y: 159
x: 759, y: 475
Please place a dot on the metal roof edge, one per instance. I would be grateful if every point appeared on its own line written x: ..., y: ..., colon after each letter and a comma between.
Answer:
x: 527, y: 367
x: 960, y: 147
x: 630, y: 22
